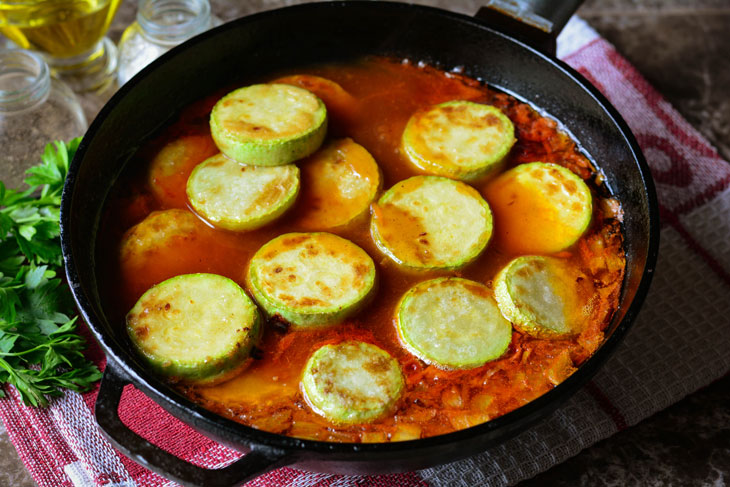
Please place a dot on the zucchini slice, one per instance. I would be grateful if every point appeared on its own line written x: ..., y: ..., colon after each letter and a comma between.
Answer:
x: 539, y: 208
x: 165, y: 244
x: 459, y: 139
x: 352, y: 382
x: 195, y: 327
x: 268, y: 124
x: 172, y: 165
x: 430, y: 222
x: 157, y: 230
x: 238, y: 197
x: 452, y: 323
x: 339, y: 182
x: 541, y: 296
x: 311, y: 279
x: 341, y: 105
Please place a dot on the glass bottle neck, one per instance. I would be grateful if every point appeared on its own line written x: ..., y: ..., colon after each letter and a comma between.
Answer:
x: 170, y: 22
x: 25, y: 80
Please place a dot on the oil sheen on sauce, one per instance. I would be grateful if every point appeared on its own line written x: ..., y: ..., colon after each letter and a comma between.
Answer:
x: 379, y: 96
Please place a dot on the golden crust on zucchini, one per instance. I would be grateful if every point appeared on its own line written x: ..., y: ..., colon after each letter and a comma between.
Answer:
x: 539, y: 208
x: 238, y: 197
x: 268, y: 124
x: 543, y: 297
x: 339, y: 182
x: 195, y: 327
x: 452, y: 323
x: 430, y: 222
x: 160, y: 228
x: 172, y: 164
x: 311, y: 279
x: 341, y: 105
x: 352, y: 382
x: 458, y: 139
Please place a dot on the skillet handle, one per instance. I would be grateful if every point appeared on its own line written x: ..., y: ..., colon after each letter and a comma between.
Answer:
x: 257, y: 462
x: 535, y: 22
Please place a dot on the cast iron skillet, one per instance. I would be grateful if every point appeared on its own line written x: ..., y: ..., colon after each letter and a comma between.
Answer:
x: 314, y: 33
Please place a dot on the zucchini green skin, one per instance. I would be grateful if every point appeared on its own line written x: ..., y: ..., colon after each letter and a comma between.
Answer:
x: 453, y: 323
x: 238, y: 197
x: 246, y: 147
x: 343, y: 275
x: 352, y: 382
x: 537, y: 296
x: 197, y: 328
x: 415, y: 239
x: 459, y: 139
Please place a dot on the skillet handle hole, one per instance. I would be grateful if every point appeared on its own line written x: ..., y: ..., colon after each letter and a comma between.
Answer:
x: 134, y: 424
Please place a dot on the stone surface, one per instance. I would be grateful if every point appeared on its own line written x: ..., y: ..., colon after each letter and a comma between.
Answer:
x: 686, y: 444
x: 12, y: 472
x: 684, y: 52
x: 683, y: 48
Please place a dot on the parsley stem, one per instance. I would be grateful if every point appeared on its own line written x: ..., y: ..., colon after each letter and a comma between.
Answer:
x: 40, y: 351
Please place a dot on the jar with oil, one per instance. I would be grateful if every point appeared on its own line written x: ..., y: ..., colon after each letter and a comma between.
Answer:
x: 70, y: 33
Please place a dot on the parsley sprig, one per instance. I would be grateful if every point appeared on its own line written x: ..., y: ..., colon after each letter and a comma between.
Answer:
x: 40, y: 351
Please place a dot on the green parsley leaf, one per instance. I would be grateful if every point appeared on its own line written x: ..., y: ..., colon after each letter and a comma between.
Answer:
x: 40, y: 349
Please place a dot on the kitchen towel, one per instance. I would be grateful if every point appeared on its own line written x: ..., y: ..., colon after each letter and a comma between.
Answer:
x: 679, y: 343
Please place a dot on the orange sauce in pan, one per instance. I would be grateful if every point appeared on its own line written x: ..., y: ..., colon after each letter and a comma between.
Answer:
x: 379, y: 96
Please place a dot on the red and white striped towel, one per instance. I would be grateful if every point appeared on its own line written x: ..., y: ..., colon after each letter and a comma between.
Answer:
x: 678, y: 345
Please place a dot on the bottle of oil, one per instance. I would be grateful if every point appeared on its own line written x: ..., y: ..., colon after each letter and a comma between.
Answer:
x: 160, y: 26
x: 70, y: 34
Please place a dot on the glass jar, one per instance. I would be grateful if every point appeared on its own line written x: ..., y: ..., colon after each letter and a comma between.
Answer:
x: 71, y: 36
x: 6, y: 43
x: 160, y: 26
x: 35, y: 109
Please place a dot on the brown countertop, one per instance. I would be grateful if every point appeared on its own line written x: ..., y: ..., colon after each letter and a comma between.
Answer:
x: 683, y: 48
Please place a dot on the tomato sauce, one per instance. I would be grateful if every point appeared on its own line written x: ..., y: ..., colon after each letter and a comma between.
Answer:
x: 378, y: 98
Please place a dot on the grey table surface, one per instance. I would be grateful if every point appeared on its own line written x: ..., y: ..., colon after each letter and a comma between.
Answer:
x: 683, y: 48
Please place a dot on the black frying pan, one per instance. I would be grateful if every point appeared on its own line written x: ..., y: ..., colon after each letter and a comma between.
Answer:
x: 315, y: 33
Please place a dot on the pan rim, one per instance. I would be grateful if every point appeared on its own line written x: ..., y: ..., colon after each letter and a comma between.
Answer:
x: 219, y: 426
